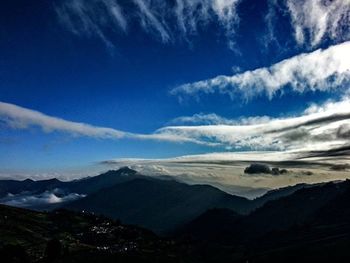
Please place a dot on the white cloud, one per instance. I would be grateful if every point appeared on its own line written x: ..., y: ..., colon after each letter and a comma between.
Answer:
x: 27, y: 199
x: 92, y: 18
x: 226, y: 170
x: 17, y: 117
x: 22, y: 118
x: 321, y: 70
x: 163, y: 18
x: 321, y: 127
x: 315, y: 20
x: 150, y: 20
x: 191, y: 14
x: 214, y: 119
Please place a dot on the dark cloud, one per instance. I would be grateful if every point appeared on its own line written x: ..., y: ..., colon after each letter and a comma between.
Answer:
x: 335, y: 152
x: 315, y: 122
x: 300, y: 134
x: 343, y: 132
x: 340, y: 167
x: 257, y: 168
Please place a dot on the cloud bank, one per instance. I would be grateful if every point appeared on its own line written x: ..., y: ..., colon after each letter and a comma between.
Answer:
x: 26, y: 199
x: 319, y: 127
x: 226, y: 170
x: 321, y: 70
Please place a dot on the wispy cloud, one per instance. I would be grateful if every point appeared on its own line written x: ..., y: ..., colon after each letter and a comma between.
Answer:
x: 321, y: 70
x: 214, y: 119
x: 21, y: 118
x: 168, y: 20
x: 17, y: 117
x: 315, y: 20
x: 149, y: 20
x: 92, y: 18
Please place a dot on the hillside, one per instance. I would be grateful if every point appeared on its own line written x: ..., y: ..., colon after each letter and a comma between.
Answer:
x: 63, y: 236
x: 312, y: 224
x: 160, y: 205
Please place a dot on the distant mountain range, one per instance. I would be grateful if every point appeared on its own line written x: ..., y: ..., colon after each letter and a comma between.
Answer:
x: 82, y: 186
x: 160, y: 204
x: 310, y: 225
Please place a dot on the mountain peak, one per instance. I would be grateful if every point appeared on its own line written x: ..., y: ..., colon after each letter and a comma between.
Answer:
x: 28, y: 180
x: 125, y: 170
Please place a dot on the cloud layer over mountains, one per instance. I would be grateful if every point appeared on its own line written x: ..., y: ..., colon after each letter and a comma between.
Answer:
x: 27, y: 199
x: 322, y: 128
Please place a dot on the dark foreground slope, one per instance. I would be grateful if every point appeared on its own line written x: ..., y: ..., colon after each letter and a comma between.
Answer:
x: 160, y: 205
x: 310, y: 225
x: 63, y: 236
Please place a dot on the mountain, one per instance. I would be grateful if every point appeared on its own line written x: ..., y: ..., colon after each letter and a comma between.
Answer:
x: 211, y: 225
x: 278, y: 193
x: 50, y: 194
x: 92, y: 184
x: 28, y: 185
x: 82, y: 186
x: 294, y: 209
x: 160, y: 205
x: 310, y: 225
x: 65, y: 236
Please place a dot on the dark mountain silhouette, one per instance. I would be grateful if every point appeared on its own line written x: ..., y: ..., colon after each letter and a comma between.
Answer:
x: 82, y: 186
x: 280, y: 192
x: 92, y: 184
x: 295, y: 209
x: 160, y: 205
x: 211, y: 225
x: 303, y: 223
x: 66, y: 236
x: 28, y: 185
x: 310, y: 225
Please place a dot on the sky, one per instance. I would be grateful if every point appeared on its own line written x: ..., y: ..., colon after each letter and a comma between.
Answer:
x: 85, y: 83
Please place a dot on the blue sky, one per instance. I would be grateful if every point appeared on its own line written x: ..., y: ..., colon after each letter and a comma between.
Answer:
x: 134, y: 66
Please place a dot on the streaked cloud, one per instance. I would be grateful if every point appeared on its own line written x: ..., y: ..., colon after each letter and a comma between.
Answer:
x: 148, y: 19
x: 92, y: 18
x: 322, y: 70
x: 225, y: 170
x: 214, y: 119
x: 17, y: 117
x: 167, y: 20
x: 320, y: 127
x: 316, y: 20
